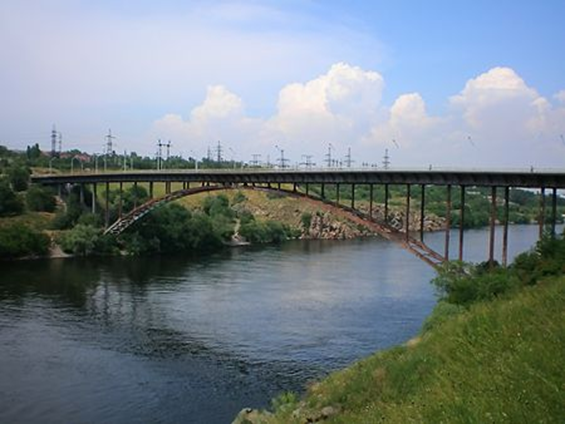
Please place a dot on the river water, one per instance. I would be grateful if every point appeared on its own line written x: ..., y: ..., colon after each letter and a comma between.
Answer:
x: 194, y: 340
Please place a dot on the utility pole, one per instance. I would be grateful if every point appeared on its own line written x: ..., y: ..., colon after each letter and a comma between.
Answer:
x: 328, y: 159
x: 159, y: 154
x: 386, y: 160
x: 168, y: 149
x: 60, y: 143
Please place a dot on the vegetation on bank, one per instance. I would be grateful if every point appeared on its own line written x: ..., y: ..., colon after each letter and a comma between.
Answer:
x: 492, y: 351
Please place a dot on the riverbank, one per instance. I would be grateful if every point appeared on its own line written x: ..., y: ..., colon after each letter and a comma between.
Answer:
x: 492, y: 360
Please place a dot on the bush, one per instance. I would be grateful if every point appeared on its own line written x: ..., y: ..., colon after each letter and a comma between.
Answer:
x: 86, y: 240
x: 306, y: 220
x: 18, y: 240
x: 239, y: 197
x: 10, y: 203
x: 462, y: 283
x: 19, y: 177
x: 40, y: 199
x: 264, y: 232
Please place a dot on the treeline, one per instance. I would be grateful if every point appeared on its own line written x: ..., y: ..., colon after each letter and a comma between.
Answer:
x: 78, y: 160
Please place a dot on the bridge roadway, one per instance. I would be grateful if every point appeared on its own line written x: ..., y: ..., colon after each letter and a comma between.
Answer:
x: 224, y: 178
x: 485, y: 178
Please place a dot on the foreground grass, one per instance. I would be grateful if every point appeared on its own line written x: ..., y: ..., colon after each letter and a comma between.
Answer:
x: 500, y: 361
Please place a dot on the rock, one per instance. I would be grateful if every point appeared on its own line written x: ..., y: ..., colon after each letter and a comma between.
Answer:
x: 251, y: 416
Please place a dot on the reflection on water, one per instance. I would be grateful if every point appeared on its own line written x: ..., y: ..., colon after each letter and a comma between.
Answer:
x: 196, y: 339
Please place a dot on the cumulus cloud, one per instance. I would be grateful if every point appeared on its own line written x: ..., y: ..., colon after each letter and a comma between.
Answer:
x: 495, y: 120
x: 338, y: 106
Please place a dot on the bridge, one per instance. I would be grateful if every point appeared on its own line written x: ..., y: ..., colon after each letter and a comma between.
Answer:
x: 302, y: 180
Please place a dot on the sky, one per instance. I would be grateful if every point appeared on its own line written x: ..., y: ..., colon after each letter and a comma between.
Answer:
x: 442, y: 83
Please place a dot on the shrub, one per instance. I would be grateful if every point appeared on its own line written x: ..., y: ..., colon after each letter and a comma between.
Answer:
x: 18, y: 240
x: 40, y: 199
x: 239, y: 197
x: 10, y: 203
x: 18, y: 176
x: 86, y: 240
x: 306, y: 220
x: 462, y: 283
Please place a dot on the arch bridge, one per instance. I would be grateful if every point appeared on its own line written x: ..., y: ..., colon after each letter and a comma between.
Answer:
x: 302, y: 182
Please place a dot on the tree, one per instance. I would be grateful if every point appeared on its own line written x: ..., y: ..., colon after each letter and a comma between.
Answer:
x: 40, y: 199
x: 10, y: 203
x: 18, y: 176
x: 19, y: 240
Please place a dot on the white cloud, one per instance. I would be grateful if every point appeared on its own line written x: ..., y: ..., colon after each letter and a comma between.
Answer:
x: 496, y: 120
x: 338, y: 106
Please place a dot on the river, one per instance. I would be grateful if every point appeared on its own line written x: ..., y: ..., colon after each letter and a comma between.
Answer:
x: 194, y: 340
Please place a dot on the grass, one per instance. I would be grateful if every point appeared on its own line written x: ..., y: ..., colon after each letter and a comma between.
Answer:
x: 36, y: 220
x: 500, y: 361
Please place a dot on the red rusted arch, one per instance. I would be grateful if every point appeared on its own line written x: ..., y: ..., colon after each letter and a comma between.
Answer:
x: 414, y: 246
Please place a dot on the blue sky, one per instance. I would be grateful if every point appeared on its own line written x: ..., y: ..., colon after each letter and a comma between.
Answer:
x: 301, y: 74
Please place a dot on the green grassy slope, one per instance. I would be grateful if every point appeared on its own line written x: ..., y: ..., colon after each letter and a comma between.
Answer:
x: 500, y: 361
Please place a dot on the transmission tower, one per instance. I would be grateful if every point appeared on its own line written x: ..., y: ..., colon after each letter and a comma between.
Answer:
x: 348, y: 160
x: 53, y: 141
x: 386, y: 160
x: 307, y: 161
x: 328, y: 155
x: 168, y: 149
x: 256, y: 159
x: 60, y: 143
x: 219, y: 152
x: 282, y: 160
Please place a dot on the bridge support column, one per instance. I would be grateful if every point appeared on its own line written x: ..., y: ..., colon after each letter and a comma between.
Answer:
x: 323, y: 190
x: 386, y: 204
x: 151, y: 189
x: 279, y: 186
x: 422, y: 211
x: 371, y: 201
x: 553, y: 211
x: 462, y: 223
x: 93, y: 200
x: 337, y: 193
x: 294, y: 187
x: 352, y: 196
x: 107, y: 208
x: 448, y: 222
x: 541, y: 219
x: 492, y: 226
x: 307, y: 189
x: 505, y: 228
x: 135, y: 194
x: 121, y: 199
x: 407, y: 217
x: 81, y: 194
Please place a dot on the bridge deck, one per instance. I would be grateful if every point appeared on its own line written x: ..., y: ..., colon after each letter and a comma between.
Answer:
x: 492, y: 178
